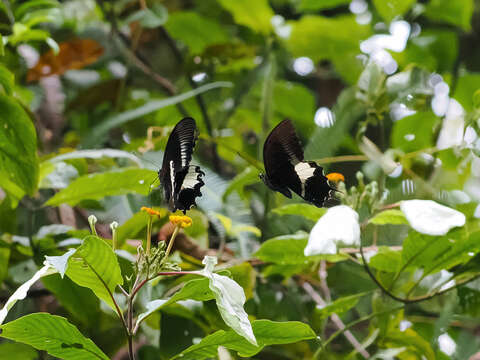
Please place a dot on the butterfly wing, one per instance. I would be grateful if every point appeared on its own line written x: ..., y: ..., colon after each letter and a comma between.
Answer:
x: 286, y: 170
x: 181, y: 182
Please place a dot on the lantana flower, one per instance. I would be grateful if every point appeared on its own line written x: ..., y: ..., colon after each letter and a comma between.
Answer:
x: 182, y: 220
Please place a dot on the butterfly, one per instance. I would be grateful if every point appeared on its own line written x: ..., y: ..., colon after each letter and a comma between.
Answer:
x: 181, y: 181
x: 285, y: 169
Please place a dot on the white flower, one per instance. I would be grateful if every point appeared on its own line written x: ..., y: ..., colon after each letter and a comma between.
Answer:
x: 339, y: 226
x: 431, y: 218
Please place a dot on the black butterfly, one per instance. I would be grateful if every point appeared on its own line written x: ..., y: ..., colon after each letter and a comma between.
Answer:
x: 286, y: 170
x: 181, y: 181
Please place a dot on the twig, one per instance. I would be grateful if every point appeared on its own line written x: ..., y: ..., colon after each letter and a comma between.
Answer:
x: 336, y: 320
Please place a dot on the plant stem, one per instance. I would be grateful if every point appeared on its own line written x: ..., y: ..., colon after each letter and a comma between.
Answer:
x: 149, y: 233
x: 172, y: 239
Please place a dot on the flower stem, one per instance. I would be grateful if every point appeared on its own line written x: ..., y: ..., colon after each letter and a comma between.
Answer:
x: 172, y: 239
x: 149, y: 234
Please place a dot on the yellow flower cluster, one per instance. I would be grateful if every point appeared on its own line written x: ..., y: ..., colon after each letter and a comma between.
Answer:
x: 153, y: 212
x: 183, y: 221
x: 335, y: 177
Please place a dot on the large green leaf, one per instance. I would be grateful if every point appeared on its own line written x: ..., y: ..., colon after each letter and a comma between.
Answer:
x: 267, y: 333
x: 94, y: 265
x: 467, y: 84
x: 390, y: 9
x: 195, y: 31
x: 340, y: 305
x: 457, y: 12
x: 288, y: 250
x: 17, y: 351
x: 54, y: 334
x: 97, y: 186
x: 315, y: 5
x: 256, y: 14
x: 414, y: 132
x: 386, y: 260
x: 392, y: 216
x: 18, y: 146
x: 306, y: 210
x: 336, y: 39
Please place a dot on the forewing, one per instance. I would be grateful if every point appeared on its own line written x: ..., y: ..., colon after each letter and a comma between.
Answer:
x: 281, y: 152
x: 177, y: 155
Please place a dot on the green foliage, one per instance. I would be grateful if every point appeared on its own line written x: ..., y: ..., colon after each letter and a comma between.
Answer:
x: 384, y: 92
x: 266, y: 332
x: 94, y: 265
x: 94, y: 187
x: 18, y: 143
x: 51, y: 333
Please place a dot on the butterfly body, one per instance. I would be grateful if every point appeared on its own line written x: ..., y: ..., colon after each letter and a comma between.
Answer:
x: 286, y: 170
x: 181, y: 181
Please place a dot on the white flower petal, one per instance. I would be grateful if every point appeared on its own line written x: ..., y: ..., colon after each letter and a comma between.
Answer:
x: 339, y: 226
x: 431, y: 218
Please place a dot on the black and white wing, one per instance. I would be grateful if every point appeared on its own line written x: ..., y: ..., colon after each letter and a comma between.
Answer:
x: 286, y: 170
x: 181, y: 181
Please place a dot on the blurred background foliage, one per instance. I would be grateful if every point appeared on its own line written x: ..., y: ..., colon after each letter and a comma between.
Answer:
x: 391, y: 88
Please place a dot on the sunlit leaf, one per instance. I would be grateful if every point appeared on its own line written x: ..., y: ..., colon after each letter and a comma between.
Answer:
x: 195, y: 31
x: 339, y: 306
x: 255, y: 14
x: 307, y: 211
x: 17, y: 351
x: 391, y: 216
x: 389, y: 9
x: 457, y: 13
x: 54, y: 334
x: 97, y: 186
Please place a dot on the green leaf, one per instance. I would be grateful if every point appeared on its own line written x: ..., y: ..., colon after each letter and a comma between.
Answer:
x: 21, y: 292
x: 256, y: 14
x: 336, y: 39
x: 414, y: 132
x: 386, y: 260
x: 389, y: 9
x: 247, y: 177
x: 316, y: 5
x: 340, y: 305
x: 466, y: 86
x: 94, y: 265
x: 17, y: 351
x: 6, y: 79
x: 288, y: 250
x: 4, y: 258
x: 97, y: 186
x: 307, y: 211
x: 117, y: 120
x: 415, y: 346
x: 195, y: 31
x: 392, y: 216
x: 230, y: 299
x: 18, y: 146
x: 131, y: 228
x: 324, y: 142
x: 150, y: 18
x: 457, y: 13
x: 54, y: 334
x: 267, y: 333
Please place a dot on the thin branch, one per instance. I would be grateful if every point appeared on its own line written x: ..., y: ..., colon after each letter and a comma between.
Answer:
x: 337, y: 321
x: 352, y: 324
